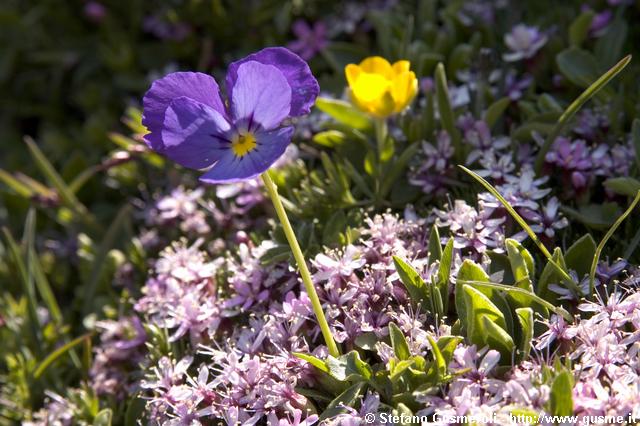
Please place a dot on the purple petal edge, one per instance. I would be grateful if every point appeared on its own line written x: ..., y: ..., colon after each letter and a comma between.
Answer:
x: 304, y: 86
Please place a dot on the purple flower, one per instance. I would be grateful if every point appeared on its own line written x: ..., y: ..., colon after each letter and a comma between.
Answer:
x: 95, y: 11
x: 190, y: 123
x: 311, y: 39
x: 524, y: 42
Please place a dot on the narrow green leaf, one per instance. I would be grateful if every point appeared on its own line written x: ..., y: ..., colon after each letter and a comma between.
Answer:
x: 27, y: 284
x: 398, y: 342
x: 443, y: 278
x: 478, y: 306
x: 345, y: 399
x: 517, y: 290
x: 627, y: 186
x: 15, y: 185
x: 596, y: 257
x: 330, y: 138
x: 313, y: 360
x: 523, y: 224
x: 435, y: 246
x: 412, y: 281
x: 577, y: 256
x: 579, y: 28
x: 496, y: 110
x: 58, y: 353
x: 348, y: 367
x: 440, y: 363
x: 67, y: 196
x: 496, y: 337
x: 575, y: 107
x: 525, y: 319
x: 609, y: 46
x: 103, y: 418
x: 445, y: 109
x: 108, y: 242
x: 344, y: 112
x: 561, y: 401
x: 521, y: 261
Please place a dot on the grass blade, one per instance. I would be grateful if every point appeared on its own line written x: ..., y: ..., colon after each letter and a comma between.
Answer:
x: 575, y: 107
x: 616, y: 224
x: 67, y: 196
x: 525, y: 226
x: 27, y: 285
x: 99, y: 263
x: 446, y: 110
x: 58, y: 353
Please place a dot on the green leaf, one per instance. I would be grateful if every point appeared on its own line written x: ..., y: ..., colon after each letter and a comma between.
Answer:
x: 578, y: 257
x: 579, y: 66
x: 447, y: 345
x: 477, y: 307
x: 445, y: 109
x: 440, y: 363
x: 348, y: 367
x: 469, y: 271
x: 397, y: 168
x: 521, y: 261
x: 412, y: 281
x: 367, y: 341
x: 313, y: 360
x: 344, y: 112
x: 399, y: 343
x: 623, y: 186
x: 525, y: 319
x: 560, y: 400
x: 330, y: 138
x: 549, y: 276
x: 103, y: 418
x: 496, y: 337
x: 347, y: 398
x: 443, y: 277
x: 597, y: 216
x: 135, y: 411
x: 609, y: 46
x: 435, y: 246
x: 496, y: 110
x: 575, y: 106
x: 579, y: 28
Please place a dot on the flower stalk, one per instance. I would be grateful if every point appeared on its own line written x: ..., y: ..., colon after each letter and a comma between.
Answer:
x: 272, y: 190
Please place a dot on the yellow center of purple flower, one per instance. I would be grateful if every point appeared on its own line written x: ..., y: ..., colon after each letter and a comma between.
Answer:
x: 242, y: 144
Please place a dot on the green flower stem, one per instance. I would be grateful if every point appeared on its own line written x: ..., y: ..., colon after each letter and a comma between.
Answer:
x: 272, y: 189
x: 381, y: 135
x: 382, y: 131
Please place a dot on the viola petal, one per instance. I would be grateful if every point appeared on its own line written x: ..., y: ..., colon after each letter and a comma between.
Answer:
x: 304, y: 87
x: 197, y: 86
x: 193, y: 134
x: 230, y: 168
x: 261, y: 96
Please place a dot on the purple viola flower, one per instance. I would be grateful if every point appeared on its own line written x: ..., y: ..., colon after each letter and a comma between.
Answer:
x: 310, y: 39
x: 190, y: 123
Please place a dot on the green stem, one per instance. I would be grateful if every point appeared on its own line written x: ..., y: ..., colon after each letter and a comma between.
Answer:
x: 272, y: 189
x: 381, y: 130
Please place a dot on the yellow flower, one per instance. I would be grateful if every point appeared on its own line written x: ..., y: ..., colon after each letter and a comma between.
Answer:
x: 379, y: 88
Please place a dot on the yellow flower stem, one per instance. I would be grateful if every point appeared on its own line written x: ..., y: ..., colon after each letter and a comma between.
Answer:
x: 272, y: 190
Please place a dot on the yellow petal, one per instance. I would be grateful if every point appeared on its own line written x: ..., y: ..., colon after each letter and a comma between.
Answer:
x: 377, y: 65
x: 403, y: 89
x: 369, y: 87
x: 401, y: 66
x: 352, y: 71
